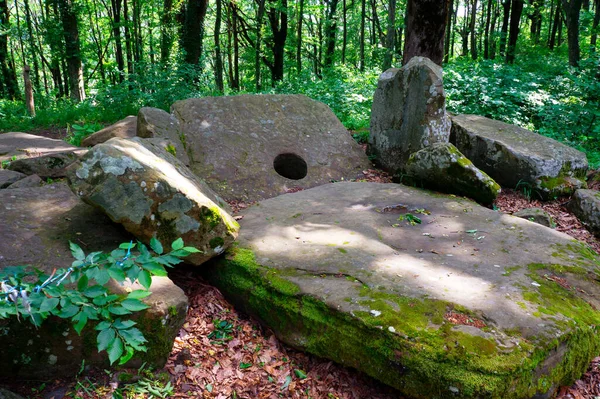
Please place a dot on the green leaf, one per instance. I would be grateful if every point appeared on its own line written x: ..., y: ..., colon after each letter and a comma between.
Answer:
x: 129, y: 351
x: 300, y: 374
x: 76, y: 251
x: 127, y: 245
x: 287, y: 382
x: 81, y: 319
x: 123, y: 324
x: 155, y: 268
x: 68, y: 311
x: 192, y: 250
x: 134, y: 305
x: 145, y: 279
x: 245, y: 365
x: 94, y: 291
x: 103, y: 300
x: 105, y: 338
x: 115, y: 350
x: 138, y: 294
x: 133, y: 336
x: 103, y: 325
x: 156, y: 246
x: 118, y: 310
x: 49, y: 304
x: 117, y: 273
x: 102, y: 277
x: 82, y: 283
x: 177, y: 244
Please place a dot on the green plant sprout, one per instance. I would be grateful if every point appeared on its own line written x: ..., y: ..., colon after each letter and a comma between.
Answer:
x: 34, y: 295
x: 410, y: 218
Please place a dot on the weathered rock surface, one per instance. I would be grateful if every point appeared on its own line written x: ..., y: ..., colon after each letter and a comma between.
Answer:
x: 6, y: 394
x: 408, y: 113
x: 152, y: 194
x: 245, y: 146
x: 443, y: 168
x: 8, y: 177
x: 513, y: 155
x: 125, y: 128
x: 333, y: 272
x: 585, y: 204
x: 536, y: 215
x: 22, y: 145
x: 163, y: 129
x: 53, y: 165
x: 36, y: 225
x: 29, y: 181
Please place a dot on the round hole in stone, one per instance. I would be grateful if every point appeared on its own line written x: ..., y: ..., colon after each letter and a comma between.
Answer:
x: 290, y: 166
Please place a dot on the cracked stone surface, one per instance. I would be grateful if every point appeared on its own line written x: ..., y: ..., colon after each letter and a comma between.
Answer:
x: 125, y: 128
x: 22, y: 145
x: 339, y: 271
x: 36, y: 225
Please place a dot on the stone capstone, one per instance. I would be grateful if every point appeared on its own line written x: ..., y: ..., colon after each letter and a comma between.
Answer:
x: 443, y: 168
x: 340, y: 271
x: 15, y: 145
x: 585, y: 204
x: 163, y: 129
x: 8, y: 177
x: 152, y: 194
x: 251, y: 147
x: 53, y: 165
x: 536, y: 215
x: 408, y: 113
x: 125, y: 128
x: 512, y: 155
x: 36, y: 225
x: 29, y: 181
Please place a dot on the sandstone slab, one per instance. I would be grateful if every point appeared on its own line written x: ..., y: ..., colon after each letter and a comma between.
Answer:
x: 15, y: 145
x: 53, y: 165
x: 512, y: 155
x: 29, y: 181
x: 466, y: 303
x: 125, y: 128
x: 408, y: 113
x: 152, y: 194
x: 442, y: 167
x: 252, y: 147
x: 8, y: 177
x: 585, y: 204
x: 36, y: 225
x: 537, y: 215
x: 164, y: 130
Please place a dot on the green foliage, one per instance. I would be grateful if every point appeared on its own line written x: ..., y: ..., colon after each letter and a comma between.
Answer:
x: 222, y: 331
x: 34, y: 295
x: 410, y: 219
x: 76, y: 133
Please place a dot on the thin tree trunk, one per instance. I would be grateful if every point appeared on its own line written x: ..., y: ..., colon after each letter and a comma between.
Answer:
x: 193, y: 30
x: 391, y: 29
x: 594, y: 37
x: 28, y: 91
x: 504, y: 29
x: 9, y: 87
x: 299, y: 37
x: 474, y: 54
x: 259, y: 17
x: 330, y: 28
x: 555, y: 26
x: 449, y: 33
x: 488, y: 20
x: 493, y: 31
x: 278, y: 20
x: 32, y: 46
x: 425, y: 29
x: 72, y: 50
x: 116, y: 12
x: 465, y: 31
x: 363, y: 16
x: 344, y: 31
x: 572, y: 9
x: 513, y: 35
x: 166, y: 31
x: 218, y: 59
x: 128, y: 46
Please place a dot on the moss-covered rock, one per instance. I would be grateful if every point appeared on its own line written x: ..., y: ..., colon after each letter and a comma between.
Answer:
x: 442, y: 167
x: 387, y: 303
x: 585, y: 204
x: 536, y: 215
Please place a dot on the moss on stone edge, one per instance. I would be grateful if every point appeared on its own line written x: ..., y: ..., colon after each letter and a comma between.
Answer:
x: 420, y: 358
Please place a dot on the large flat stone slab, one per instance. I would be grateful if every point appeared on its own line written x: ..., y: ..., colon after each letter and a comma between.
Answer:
x: 252, y: 147
x: 515, y: 156
x: 469, y: 303
x: 16, y: 145
x: 36, y: 225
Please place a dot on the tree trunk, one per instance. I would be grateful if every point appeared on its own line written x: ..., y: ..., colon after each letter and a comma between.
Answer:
x: 425, y: 28
x: 572, y: 9
x: 363, y: 16
x: 192, y: 33
x: 278, y: 20
x: 344, y: 31
x: 299, y: 37
x: 493, y: 31
x: 28, y: 91
x: 116, y: 12
x: 504, y: 29
x: 218, y: 59
x: 72, y: 50
x: 32, y: 47
x: 536, y: 20
x: 474, y: 54
x: 259, y: 17
x: 486, y: 40
x: 513, y: 35
x: 555, y: 25
x: 594, y: 37
x: 9, y: 88
x: 390, y: 36
x: 449, y: 32
x: 330, y: 28
x: 166, y: 31
x: 128, y: 44
x: 464, y: 34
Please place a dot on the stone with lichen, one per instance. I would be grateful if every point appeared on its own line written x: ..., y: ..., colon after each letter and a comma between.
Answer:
x: 585, y: 204
x: 152, y: 194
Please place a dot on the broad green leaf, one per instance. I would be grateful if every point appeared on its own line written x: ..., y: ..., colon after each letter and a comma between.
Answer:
x: 118, y: 254
x: 138, y: 294
x: 245, y: 365
x: 145, y: 279
x: 115, y: 350
x: 127, y: 245
x: 82, y: 283
x: 156, y: 246
x: 103, y: 325
x: 177, y: 244
x: 155, y: 268
x: 287, y: 382
x: 118, y: 310
x: 180, y: 253
x: 81, y: 319
x: 76, y: 251
x: 94, y: 291
x: 123, y: 324
x: 103, y: 300
x: 133, y: 273
x: 134, y: 305
x: 68, y: 311
x: 117, y: 273
x: 129, y: 351
x: 49, y: 304
x: 192, y: 250
x: 105, y: 338
x: 133, y: 336
x: 300, y: 374
x: 102, y: 277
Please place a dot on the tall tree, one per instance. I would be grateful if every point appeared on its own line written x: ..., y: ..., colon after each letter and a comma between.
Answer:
x: 70, y: 25
x: 572, y: 9
x: 116, y: 29
x: 192, y: 31
x: 513, y: 34
x: 8, y: 85
x: 330, y: 29
x: 473, y: 20
x: 449, y: 33
x: 218, y: 57
x: 486, y: 40
x: 390, y: 35
x: 166, y: 30
x: 504, y: 28
x: 257, y: 55
x: 299, y: 36
x: 278, y: 21
x: 363, y: 17
x: 595, y: 27
x: 425, y: 27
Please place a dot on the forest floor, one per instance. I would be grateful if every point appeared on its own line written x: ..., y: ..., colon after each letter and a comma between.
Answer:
x: 221, y: 353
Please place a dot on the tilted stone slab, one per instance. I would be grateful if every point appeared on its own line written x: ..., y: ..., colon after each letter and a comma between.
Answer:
x: 152, y: 194
x: 442, y: 167
x: 408, y: 113
x: 53, y: 165
x: 164, y: 130
x: 8, y: 177
x: 585, y: 204
x: 23, y: 145
x: 335, y: 273
x: 512, y: 155
x: 36, y: 225
x: 244, y: 146
x: 125, y: 128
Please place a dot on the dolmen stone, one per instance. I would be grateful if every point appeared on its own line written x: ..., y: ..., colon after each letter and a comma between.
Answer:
x: 585, y: 204
x: 54, y: 165
x: 125, y: 128
x: 15, y: 145
x: 536, y: 215
x: 36, y: 225
x: 408, y: 113
x: 252, y: 147
x: 512, y: 155
x: 152, y: 194
x: 8, y: 177
x: 442, y: 167
x: 29, y: 181
x: 163, y: 129
x: 433, y: 295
